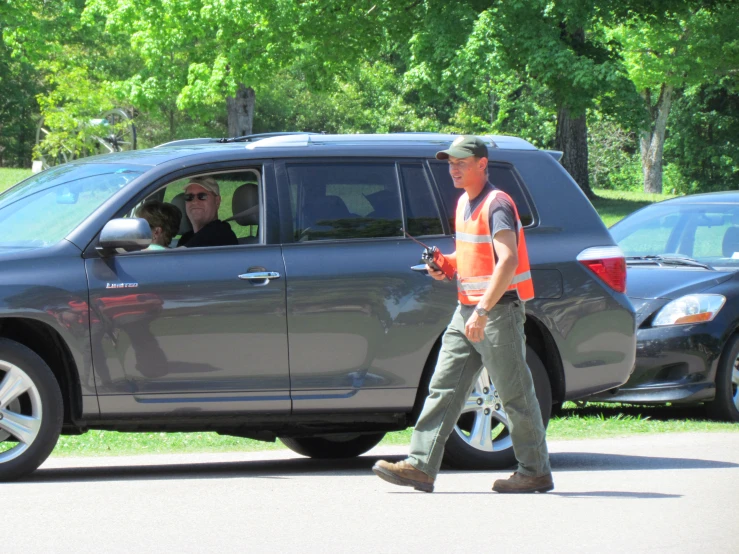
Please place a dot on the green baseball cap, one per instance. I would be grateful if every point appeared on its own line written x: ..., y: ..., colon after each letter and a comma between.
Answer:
x: 464, y: 146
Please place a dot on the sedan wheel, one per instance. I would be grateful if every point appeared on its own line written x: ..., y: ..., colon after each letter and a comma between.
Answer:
x: 481, y: 439
x: 30, y: 410
x: 726, y: 404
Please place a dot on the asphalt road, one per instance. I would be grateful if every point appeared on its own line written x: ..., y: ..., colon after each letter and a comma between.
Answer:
x: 652, y: 493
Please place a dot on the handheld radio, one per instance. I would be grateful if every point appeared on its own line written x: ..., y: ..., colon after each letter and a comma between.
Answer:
x: 432, y: 257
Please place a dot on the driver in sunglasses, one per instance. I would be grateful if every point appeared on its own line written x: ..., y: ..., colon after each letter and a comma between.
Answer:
x: 202, y: 199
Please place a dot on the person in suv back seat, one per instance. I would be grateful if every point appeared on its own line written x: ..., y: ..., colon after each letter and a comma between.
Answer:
x: 202, y: 199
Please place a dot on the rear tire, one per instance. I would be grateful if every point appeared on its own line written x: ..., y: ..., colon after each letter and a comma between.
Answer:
x: 497, y: 453
x: 344, y: 445
x: 725, y: 406
x: 31, y: 408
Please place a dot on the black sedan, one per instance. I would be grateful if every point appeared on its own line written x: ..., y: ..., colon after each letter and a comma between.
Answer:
x: 682, y: 259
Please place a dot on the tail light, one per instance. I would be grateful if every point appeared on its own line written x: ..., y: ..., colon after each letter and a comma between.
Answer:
x: 608, y: 263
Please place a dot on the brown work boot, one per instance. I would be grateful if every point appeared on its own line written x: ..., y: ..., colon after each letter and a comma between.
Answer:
x: 404, y: 474
x: 519, y: 483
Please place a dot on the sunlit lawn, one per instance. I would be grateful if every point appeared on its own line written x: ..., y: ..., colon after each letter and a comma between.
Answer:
x: 613, y: 206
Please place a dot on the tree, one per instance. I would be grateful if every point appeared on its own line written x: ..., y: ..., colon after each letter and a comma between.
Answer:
x: 199, y: 54
x: 704, y: 136
x: 691, y: 44
x: 559, y: 47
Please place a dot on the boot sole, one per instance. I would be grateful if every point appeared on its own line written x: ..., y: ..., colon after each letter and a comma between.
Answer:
x: 544, y: 489
x: 391, y: 477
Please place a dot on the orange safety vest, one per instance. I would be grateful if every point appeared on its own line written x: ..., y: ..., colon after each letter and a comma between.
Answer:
x: 475, y: 256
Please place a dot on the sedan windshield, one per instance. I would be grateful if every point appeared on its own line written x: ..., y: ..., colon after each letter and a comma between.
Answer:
x: 706, y: 233
x: 45, y: 208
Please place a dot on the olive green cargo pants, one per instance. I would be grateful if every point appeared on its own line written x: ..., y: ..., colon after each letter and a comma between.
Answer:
x: 503, y: 353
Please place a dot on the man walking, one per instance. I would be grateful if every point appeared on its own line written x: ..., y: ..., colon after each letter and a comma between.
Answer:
x: 487, y: 328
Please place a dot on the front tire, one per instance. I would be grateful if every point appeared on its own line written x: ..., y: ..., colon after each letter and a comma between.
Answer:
x: 31, y: 411
x: 725, y: 406
x: 345, y: 445
x: 482, y: 441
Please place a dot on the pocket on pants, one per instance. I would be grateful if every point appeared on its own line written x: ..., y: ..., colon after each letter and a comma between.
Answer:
x: 500, y: 329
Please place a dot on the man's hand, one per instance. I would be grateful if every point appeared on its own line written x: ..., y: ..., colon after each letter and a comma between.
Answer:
x: 475, y: 327
x: 438, y: 275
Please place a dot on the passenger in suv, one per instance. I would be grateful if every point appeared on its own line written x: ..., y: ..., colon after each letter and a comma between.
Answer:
x: 202, y: 200
x: 320, y: 327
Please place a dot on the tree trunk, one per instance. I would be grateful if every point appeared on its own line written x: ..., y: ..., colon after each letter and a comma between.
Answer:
x: 240, y: 111
x: 572, y: 140
x: 652, y: 142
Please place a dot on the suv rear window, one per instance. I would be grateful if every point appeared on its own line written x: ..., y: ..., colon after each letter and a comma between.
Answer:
x: 501, y: 175
x: 333, y: 201
x: 421, y: 210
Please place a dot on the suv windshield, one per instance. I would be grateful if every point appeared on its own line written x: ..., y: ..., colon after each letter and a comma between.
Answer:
x: 708, y: 233
x: 45, y: 208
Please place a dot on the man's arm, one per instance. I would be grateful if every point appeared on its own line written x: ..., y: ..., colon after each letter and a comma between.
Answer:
x: 506, y: 248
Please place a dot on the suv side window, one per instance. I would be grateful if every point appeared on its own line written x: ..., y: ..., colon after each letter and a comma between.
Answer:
x: 501, y: 175
x: 421, y: 210
x: 240, y: 200
x: 345, y: 200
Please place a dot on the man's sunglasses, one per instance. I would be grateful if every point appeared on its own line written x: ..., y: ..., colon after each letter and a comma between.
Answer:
x: 189, y: 197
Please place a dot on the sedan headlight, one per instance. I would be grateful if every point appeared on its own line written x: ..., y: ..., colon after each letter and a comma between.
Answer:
x: 691, y: 308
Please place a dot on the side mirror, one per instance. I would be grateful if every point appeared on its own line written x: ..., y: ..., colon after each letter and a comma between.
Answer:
x: 128, y: 234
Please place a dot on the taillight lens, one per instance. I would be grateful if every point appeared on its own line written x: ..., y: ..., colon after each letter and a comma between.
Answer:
x: 608, y: 263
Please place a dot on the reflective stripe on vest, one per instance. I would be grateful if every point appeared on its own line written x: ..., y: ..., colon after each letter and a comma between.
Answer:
x: 476, y: 257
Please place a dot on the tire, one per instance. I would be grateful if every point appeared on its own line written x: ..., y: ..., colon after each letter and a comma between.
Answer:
x: 725, y: 406
x: 496, y: 453
x: 38, y: 408
x: 345, y: 445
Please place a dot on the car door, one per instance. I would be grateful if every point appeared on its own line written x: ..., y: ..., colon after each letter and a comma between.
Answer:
x: 191, y: 329
x: 361, y: 321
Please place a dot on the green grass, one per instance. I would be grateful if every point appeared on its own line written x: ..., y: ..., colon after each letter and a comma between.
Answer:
x: 9, y: 177
x: 612, y: 206
x: 589, y: 422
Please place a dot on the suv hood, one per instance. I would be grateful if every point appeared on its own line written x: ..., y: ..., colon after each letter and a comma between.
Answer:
x: 670, y: 282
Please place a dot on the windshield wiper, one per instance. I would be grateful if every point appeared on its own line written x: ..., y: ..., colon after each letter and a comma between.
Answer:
x: 668, y: 260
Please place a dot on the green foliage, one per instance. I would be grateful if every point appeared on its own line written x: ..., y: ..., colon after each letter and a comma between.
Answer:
x: 703, y: 148
x: 18, y: 89
x: 686, y: 45
x: 613, y: 155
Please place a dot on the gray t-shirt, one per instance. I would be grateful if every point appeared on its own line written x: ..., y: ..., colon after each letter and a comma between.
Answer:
x: 502, y: 217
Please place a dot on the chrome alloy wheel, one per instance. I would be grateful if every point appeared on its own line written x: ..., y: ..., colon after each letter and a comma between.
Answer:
x: 20, y: 411
x: 483, y: 423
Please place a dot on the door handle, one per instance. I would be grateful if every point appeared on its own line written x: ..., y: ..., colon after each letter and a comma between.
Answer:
x: 260, y: 276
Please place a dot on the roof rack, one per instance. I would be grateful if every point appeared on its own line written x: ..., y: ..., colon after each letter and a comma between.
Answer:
x: 182, y: 142
x: 262, y: 136
x: 244, y: 138
x: 305, y: 139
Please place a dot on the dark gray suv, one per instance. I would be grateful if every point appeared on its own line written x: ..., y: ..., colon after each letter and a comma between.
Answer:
x: 320, y: 327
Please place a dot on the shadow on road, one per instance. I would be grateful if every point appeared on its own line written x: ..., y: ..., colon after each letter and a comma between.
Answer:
x: 581, y: 494
x: 586, y: 461
x: 614, y: 494
x: 280, y: 469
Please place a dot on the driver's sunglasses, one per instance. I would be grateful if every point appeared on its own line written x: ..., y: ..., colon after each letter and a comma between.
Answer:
x: 189, y: 197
